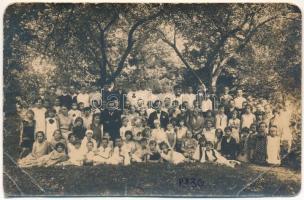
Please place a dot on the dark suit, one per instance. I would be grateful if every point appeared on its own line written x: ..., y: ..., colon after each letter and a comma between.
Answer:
x: 164, y: 119
x: 111, y: 122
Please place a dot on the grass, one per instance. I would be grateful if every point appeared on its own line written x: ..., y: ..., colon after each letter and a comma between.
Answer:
x: 159, y: 179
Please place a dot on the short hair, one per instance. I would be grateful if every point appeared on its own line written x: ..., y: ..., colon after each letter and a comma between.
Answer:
x: 209, y: 143
x: 245, y: 129
x: 39, y: 132
x: 60, y: 144
x: 129, y: 133
x: 228, y: 128
x: 88, y: 131
x: 90, y: 142
x: 262, y: 123
x: 107, y: 139
x: 152, y: 142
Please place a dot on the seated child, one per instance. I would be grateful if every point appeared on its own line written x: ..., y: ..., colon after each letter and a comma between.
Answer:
x: 88, y: 138
x: 76, y: 155
x: 89, y: 154
x: 110, y: 142
x: 140, y: 154
x: 40, y: 148
x: 188, y: 146
x: 128, y: 147
x: 103, y: 153
x: 158, y: 134
x: 57, y: 138
x: 117, y: 156
x: 124, y: 127
x: 153, y: 155
x: 169, y: 155
x: 58, y: 155
x: 209, y: 154
x: 218, y: 142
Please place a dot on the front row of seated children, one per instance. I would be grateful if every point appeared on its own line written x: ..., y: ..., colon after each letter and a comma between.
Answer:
x: 124, y: 152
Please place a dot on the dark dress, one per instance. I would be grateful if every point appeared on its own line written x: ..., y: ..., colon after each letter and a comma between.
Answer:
x: 259, y: 155
x: 79, y: 132
x: 229, y: 149
x: 28, y: 135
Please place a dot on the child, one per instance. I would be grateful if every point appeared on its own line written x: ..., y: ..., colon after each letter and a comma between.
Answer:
x: 180, y: 135
x: 65, y: 122
x: 140, y: 154
x: 117, y: 155
x: 103, y: 153
x: 209, y: 154
x: 57, y: 106
x: 58, y: 155
x: 247, y: 118
x: 206, y: 105
x: 89, y: 153
x: 57, y: 138
x: 171, y: 135
x: 158, y: 134
x: 88, y: 138
x: 153, y: 155
x: 83, y: 97
x: 137, y: 129
x: 189, y: 145
x: 76, y: 155
x: 79, y: 130
x: 209, y: 132
x: 228, y: 145
x: 170, y: 155
x: 226, y: 97
x: 97, y: 128
x: 239, y: 99
x: 27, y: 134
x: 74, y: 112
x: 273, y: 147
x: 40, y: 148
x: 209, y: 116
x: 39, y: 115
x: 125, y: 127
x: 110, y: 142
x: 235, y: 123
x: 52, y: 124
x: 87, y: 117
x: 221, y: 119
x: 260, y: 150
x: 218, y: 142
x: 243, y: 147
x: 71, y: 142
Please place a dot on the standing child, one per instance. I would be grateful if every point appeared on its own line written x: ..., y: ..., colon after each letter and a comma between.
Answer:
x: 39, y: 115
x: 83, y: 97
x: 87, y: 117
x: 97, y: 128
x: 273, y: 147
x: 247, y: 118
x: 180, y: 135
x: 57, y: 106
x: 52, y: 124
x: 235, y: 124
x: 221, y: 119
x: 74, y: 112
x: 243, y: 146
x: 229, y: 145
x: 260, y: 150
x: 171, y: 135
x: 209, y: 132
x: 27, y: 134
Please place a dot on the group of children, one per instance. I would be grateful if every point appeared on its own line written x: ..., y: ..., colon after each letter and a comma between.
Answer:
x: 70, y: 128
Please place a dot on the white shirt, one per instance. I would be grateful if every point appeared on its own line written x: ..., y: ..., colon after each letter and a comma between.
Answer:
x: 84, y: 98
x: 239, y: 102
x: 206, y: 105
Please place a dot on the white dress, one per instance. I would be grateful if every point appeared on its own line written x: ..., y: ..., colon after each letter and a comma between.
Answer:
x: 273, y: 150
x: 39, y: 116
x: 173, y: 157
x: 50, y: 127
x: 117, y: 157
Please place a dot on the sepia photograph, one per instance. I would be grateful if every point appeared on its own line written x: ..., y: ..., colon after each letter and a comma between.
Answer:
x: 152, y: 100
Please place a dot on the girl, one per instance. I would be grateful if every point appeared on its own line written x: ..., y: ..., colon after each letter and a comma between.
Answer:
x: 221, y: 119
x: 153, y: 155
x: 58, y: 155
x: 260, y: 150
x: 209, y: 154
x: 209, y: 132
x: 273, y: 147
x: 158, y: 134
x: 140, y: 154
x: 27, y: 134
x: 57, y: 138
x: 188, y: 146
x: 97, y: 128
x: 71, y: 143
x: 229, y: 145
x: 218, y: 142
x: 65, y: 122
x: 247, y: 118
x: 83, y: 97
x: 137, y: 129
x: 88, y: 138
x: 180, y: 135
x: 128, y: 148
x: 126, y: 126
x: 103, y: 153
x: 39, y: 115
x: 107, y: 135
x: 244, y: 150
x: 171, y: 135
x: 117, y: 156
x: 170, y: 155
x: 87, y: 117
x: 40, y: 148
x: 79, y: 130
x: 235, y: 123
x: 51, y: 124
x: 76, y: 155
x: 74, y: 112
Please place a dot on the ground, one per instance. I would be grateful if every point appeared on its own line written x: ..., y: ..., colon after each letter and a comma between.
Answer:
x: 144, y: 180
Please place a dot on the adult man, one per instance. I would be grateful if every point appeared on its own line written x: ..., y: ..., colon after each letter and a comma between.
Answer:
x: 158, y: 114
x: 65, y: 98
